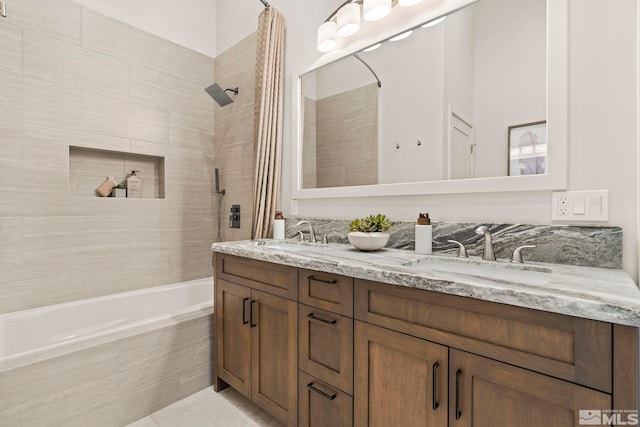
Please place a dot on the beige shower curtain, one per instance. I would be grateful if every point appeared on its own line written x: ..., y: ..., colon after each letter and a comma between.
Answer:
x: 268, y: 121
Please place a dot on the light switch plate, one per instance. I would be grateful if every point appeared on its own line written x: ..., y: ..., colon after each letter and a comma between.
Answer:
x: 580, y: 206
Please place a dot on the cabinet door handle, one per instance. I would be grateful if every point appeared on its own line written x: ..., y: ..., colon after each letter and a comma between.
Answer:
x: 458, y: 412
x: 320, y: 392
x: 320, y: 319
x: 244, y: 311
x: 330, y: 282
x: 253, y: 325
x: 434, y: 386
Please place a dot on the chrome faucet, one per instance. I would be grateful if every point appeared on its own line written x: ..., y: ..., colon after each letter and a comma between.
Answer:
x: 312, y: 234
x: 487, y: 252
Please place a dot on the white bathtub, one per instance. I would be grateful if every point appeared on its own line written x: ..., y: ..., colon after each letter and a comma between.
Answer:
x: 41, y: 333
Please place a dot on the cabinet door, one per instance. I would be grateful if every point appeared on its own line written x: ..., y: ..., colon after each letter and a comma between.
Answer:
x: 326, y: 346
x: 274, y: 326
x: 233, y: 335
x: 322, y: 405
x: 399, y: 380
x: 484, y: 392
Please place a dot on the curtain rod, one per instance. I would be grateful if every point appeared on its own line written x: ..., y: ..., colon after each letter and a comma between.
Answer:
x: 265, y: 3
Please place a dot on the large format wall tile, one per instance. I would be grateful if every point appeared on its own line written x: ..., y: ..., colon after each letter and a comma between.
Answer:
x: 117, y: 117
x: 107, y: 35
x: 233, y: 153
x: 28, y: 101
x: 65, y: 64
x: 61, y: 242
x: 60, y: 19
x: 11, y: 58
x: 168, y: 92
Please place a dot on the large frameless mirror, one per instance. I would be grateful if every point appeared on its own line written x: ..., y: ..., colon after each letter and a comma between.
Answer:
x: 464, y: 102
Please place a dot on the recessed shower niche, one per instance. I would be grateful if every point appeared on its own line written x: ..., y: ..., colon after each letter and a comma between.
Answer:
x: 89, y: 167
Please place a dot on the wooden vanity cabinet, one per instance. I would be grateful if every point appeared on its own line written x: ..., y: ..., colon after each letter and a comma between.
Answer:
x: 325, y: 349
x: 484, y: 392
x: 317, y: 349
x: 399, y: 380
x: 257, y: 334
x: 508, y: 365
x: 322, y: 405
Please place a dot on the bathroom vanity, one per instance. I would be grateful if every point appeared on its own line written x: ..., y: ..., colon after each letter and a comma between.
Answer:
x: 329, y: 336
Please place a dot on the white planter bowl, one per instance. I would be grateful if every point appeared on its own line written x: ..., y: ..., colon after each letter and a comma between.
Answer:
x: 368, y: 241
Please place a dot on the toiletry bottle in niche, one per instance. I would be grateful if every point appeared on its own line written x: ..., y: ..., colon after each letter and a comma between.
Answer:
x: 134, y: 185
x: 424, y: 234
x: 278, y: 226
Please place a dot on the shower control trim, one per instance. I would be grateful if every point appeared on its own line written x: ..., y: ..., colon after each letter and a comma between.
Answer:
x: 234, y: 218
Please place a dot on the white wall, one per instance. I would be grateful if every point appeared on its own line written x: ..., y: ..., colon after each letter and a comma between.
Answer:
x: 190, y: 23
x: 602, y: 121
x: 510, y: 79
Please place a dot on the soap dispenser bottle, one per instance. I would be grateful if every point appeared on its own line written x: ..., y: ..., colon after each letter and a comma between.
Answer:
x: 134, y: 185
x: 278, y: 226
x: 424, y: 234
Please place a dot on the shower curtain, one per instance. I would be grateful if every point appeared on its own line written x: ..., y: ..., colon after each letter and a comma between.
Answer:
x: 268, y: 121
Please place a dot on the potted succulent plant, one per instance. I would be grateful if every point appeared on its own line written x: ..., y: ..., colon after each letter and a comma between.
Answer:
x: 370, y: 233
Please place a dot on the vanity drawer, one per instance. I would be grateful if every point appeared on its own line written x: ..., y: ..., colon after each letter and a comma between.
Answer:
x: 570, y: 348
x: 327, y: 291
x: 322, y: 405
x: 326, y: 346
x: 275, y: 279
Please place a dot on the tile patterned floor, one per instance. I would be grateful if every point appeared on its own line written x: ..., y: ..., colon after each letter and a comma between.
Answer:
x: 210, y: 409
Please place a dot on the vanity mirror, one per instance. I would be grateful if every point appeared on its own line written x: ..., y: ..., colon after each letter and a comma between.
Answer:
x: 430, y: 113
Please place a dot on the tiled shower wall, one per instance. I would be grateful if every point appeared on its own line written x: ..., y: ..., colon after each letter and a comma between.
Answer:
x: 235, y: 67
x: 70, y: 76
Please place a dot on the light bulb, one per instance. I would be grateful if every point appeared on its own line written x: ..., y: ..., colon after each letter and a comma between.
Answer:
x: 348, y: 19
x: 327, y: 35
x: 372, y: 10
x: 374, y: 47
x: 434, y: 22
x: 401, y: 36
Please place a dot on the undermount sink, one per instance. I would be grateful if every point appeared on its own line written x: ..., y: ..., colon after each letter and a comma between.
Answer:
x: 493, y: 270
x: 286, y: 245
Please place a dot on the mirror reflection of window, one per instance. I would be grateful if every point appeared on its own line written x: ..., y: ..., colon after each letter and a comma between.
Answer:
x: 484, y: 65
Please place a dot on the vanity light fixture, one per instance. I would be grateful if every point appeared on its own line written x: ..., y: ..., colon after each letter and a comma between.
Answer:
x: 345, y: 20
x: 348, y: 19
x: 374, y: 47
x: 373, y: 10
x: 401, y: 36
x: 434, y: 22
x: 327, y: 36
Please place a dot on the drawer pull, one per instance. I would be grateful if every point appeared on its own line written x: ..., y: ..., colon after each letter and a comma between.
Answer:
x: 320, y: 319
x: 253, y: 325
x: 320, y: 392
x: 244, y: 311
x: 316, y: 279
x: 458, y: 412
x: 434, y: 386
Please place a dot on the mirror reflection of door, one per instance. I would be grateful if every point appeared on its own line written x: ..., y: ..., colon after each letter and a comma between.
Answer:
x: 461, y: 148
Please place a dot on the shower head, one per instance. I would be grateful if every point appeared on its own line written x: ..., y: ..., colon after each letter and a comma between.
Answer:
x: 220, y: 95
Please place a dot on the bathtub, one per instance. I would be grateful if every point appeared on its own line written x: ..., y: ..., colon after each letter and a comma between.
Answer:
x: 96, y: 356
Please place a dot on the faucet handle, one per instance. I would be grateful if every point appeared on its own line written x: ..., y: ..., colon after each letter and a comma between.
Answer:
x: 517, y: 256
x: 300, y: 235
x: 325, y: 239
x: 462, y: 251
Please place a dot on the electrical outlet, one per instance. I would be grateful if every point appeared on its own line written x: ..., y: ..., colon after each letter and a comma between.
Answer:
x: 580, y: 206
x: 563, y: 205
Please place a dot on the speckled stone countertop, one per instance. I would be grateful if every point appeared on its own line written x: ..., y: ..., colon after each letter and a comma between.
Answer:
x: 602, y: 294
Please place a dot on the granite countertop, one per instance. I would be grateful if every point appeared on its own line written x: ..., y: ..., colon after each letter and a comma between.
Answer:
x: 603, y: 294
